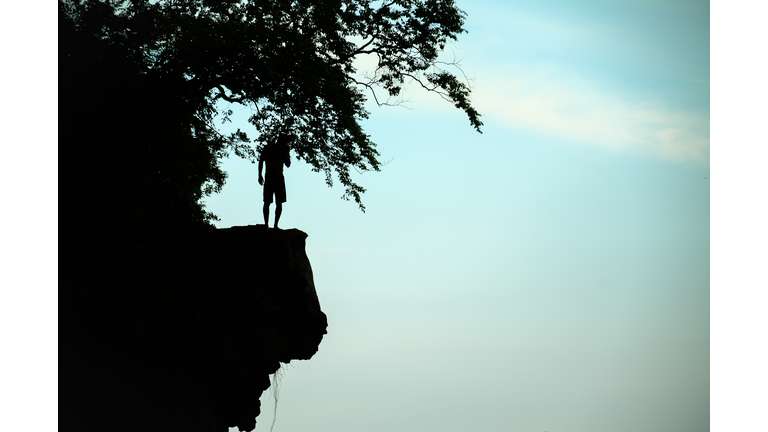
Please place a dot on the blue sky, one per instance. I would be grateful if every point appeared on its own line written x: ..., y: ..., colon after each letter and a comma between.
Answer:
x: 550, y: 274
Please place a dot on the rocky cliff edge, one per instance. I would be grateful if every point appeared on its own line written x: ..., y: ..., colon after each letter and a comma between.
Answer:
x: 181, y: 331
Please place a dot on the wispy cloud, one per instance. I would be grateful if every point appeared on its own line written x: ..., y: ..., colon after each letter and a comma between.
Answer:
x: 580, y: 78
x: 555, y: 104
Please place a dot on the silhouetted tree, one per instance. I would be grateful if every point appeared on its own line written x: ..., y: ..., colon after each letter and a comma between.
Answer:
x: 141, y: 83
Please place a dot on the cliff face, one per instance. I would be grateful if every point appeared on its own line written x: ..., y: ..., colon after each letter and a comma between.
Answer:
x: 181, y: 331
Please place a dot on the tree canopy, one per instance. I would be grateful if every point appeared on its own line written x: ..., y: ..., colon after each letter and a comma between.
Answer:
x: 141, y: 84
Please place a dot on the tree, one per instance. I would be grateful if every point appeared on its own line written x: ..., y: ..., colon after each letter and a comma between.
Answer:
x: 166, y: 65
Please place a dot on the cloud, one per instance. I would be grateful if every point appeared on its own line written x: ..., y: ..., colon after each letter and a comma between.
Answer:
x: 551, y: 102
x: 547, y: 100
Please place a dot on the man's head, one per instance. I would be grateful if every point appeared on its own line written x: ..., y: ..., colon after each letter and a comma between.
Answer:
x: 283, y: 139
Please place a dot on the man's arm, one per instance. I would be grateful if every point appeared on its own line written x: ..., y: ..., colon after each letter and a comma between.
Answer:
x: 288, y: 157
x: 261, y: 166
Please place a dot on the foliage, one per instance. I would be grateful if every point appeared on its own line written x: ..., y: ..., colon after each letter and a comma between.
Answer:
x: 165, y: 65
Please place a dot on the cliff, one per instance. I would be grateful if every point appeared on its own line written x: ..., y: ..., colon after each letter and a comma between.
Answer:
x: 181, y: 331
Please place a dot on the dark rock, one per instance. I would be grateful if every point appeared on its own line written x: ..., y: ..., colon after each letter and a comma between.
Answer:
x: 181, y: 331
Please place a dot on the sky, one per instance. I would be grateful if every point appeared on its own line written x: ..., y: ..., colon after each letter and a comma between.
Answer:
x: 549, y: 274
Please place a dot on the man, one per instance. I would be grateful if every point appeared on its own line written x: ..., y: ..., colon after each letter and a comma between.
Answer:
x: 274, y: 154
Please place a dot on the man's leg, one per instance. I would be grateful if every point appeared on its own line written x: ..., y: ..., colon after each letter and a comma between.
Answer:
x: 266, y: 214
x: 279, y: 185
x: 278, y: 212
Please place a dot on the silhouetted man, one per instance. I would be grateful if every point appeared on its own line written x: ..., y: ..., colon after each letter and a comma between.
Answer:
x: 275, y: 155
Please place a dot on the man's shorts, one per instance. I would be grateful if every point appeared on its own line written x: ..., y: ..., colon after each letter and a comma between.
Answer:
x: 274, y: 186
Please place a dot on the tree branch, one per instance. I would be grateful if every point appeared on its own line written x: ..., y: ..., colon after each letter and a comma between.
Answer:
x: 223, y: 95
